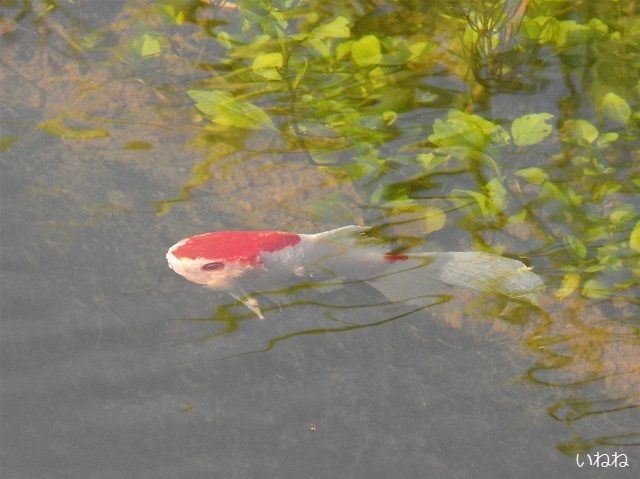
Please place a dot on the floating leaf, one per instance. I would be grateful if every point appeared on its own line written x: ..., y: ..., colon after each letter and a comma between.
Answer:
x: 417, y: 49
x: 594, y: 289
x: 343, y: 49
x: 576, y: 247
x: 582, y: 130
x: 615, y: 108
x: 572, y: 33
x: 570, y: 282
x: 170, y: 11
x: 497, y: 195
x: 454, y: 132
x: 429, y: 161
x: 336, y: 28
x: 634, y: 238
x: 267, y: 60
x: 607, y: 138
x: 228, y: 111
x: 531, y: 129
x: 598, y: 26
x: 622, y: 215
x: 150, y: 46
x: 480, y: 199
x: 534, y: 175
x: 366, y: 51
x: 462, y: 129
x: 266, y: 65
x: 541, y: 28
x: 389, y: 117
x: 517, y: 217
x: 435, y: 219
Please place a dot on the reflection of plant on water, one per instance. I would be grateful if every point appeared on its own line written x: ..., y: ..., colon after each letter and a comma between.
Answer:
x: 594, y: 361
x: 594, y: 373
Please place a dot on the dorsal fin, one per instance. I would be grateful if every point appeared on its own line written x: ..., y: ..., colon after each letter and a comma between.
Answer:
x: 339, y: 233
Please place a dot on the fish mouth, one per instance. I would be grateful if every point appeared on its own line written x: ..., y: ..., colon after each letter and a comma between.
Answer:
x: 175, y: 264
x: 171, y: 259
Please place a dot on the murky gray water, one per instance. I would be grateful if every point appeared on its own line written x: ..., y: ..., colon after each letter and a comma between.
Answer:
x: 113, y: 366
x: 103, y: 377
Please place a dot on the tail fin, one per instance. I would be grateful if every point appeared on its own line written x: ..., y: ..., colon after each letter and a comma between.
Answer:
x: 480, y: 271
x: 346, y: 252
x: 483, y: 272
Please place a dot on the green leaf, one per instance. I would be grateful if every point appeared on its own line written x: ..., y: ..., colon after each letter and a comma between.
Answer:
x: 519, y: 217
x: 497, y: 195
x: 582, y: 130
x: 453, y: 132
x: 615, y: 108
x: 576, y: 247
x: 462, y: 129
x: 226, y: 110
x: 336, y: 28
x: 366, y: 51
x: 429, y: 161
x: 531, y: 129
x: 170, y: 11
x: 551, y: 190
x: 225, y: 39
x: 604, y: 189
x: 622, y: 215
x: 570, y: 282
x: 435, y: 218
x: 267, y: 60
x: 480, y: 199
x: 634, y: 238
x: 266, y: 65
x: 150, y: 46
x: 299, y: 75
x: 343, y: 49
x: 389, y: 117
x: 595, y: 289
x: 595, y: 268
x: 572, y: 33
x: 597, y: 25
x: 417, y: 49
x: 534, y: 175
x: 543, y: 29
x: 607, y: 138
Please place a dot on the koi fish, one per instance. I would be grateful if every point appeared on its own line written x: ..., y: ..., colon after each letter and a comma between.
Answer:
x: 246, y: 262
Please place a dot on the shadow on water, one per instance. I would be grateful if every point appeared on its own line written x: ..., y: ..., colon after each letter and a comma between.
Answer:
x: 232, y: 320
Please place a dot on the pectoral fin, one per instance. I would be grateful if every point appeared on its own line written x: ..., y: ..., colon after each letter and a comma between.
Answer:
x: 250, y: 302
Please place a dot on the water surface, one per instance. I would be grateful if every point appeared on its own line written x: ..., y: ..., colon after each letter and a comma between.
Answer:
x: 406, y: 116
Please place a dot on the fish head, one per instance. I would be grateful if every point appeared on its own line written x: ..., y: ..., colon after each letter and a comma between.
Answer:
x: 226, y: 260
x: 214, y: 273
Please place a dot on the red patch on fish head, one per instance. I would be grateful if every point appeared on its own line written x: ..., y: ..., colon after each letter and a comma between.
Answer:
x: 242, y: 247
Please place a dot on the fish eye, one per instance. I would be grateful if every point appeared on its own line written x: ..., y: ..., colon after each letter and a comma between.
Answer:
x: 216, y: 265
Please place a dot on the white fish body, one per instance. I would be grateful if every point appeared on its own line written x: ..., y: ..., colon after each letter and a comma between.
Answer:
x: 244, y: 262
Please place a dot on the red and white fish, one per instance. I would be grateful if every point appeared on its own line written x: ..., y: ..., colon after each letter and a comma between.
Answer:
x: 246, y: 262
